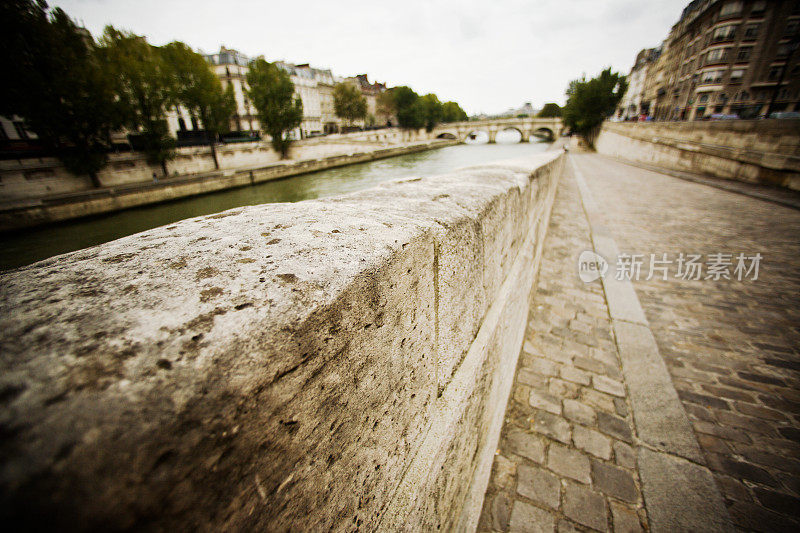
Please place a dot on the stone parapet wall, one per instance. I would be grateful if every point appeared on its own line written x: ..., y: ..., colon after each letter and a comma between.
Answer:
x: 332, y: 364
x: 756, y: 151
x: 22, y: 179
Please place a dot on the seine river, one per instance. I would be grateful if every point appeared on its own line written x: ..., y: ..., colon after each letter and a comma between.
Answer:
x: 26, y: 247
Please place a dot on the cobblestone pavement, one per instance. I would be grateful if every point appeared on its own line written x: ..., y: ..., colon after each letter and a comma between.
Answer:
x: 732, y: 347
x: 565, y: 460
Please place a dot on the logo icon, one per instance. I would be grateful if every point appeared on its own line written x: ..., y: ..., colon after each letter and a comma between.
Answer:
x: 591, y: 266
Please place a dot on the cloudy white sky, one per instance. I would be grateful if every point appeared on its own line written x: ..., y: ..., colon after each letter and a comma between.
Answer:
x: 488, y: 55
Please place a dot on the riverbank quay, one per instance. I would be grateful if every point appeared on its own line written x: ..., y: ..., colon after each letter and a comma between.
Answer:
x: 26, y: 213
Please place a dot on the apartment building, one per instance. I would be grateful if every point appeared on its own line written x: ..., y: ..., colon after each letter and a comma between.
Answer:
x: 727, y: 57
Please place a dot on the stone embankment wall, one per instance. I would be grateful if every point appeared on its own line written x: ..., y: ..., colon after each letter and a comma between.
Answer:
x: 756, y: 151
x: 332, y: 364
x: 23, y: 214
x: 37, y: 177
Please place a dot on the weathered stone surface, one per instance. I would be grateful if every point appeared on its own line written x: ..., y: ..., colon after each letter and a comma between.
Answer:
x: 592, y: 441
x: 700, y: 507
x: 568, y: 462
x: 570, y: 373
x: 526, y: 445
x: 614, y: 481
x: 625, y: 519
x: 585, y: 506
x: 624, y: 455
x: 546, y: 402
x: 578, y: 412
x: 539, y: 485
x: 525, y: 518
x: 552, y: 426
x: 608, y: 385
x: 215, y: 373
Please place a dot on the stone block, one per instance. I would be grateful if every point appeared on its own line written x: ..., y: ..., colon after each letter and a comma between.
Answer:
x: 526, y: 518
x: 525, y: 445
x: 585, y: 506
x: 539, y: 485
x: 551, y: 426
x: 578, y: 412
x: 545, y: 402
x: 614, y: 481
x: 569, y: 463
x: 592, y: 441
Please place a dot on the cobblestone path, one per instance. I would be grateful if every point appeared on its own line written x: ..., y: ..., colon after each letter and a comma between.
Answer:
x: 732, y: 347
x: 566, y: 459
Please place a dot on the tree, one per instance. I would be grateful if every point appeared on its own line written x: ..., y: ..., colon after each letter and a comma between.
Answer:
x: 385, y: 106
x: 590, y: 102
x: 550, y: 110
x: 431, y: 111
x: 60, y: 86
x: 199, y: 90
x: 349, y: 103
x: 144, y: 90
x: 407, y: 108
x: 272, y: 94
x: 452, y: 112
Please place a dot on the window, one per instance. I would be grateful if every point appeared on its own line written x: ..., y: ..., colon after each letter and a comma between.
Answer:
x: 758, y: 8
x: 194, y: 124
x: 744, y: 53
x: 791, y: 28
x: 716, y: 56
x: 731, y: 8
x: 724, y: 33
x: 737, y: 75
x: 711, y: 76
x: 751, y: 31
x: 703, y: 98
x: 783, y: 51
x: 21, y: 131
x: 775, y: 73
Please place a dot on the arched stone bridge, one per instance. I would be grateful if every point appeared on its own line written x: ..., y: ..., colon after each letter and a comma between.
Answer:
x: 539, y: 127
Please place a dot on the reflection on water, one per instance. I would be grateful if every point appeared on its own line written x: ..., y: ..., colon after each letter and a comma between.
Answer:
x: 39, y: 243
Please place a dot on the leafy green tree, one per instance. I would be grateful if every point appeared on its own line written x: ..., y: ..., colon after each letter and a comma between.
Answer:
x: 590, y: 102
x: 349, y: 103
x: 198, y: 89
x: 550, y: 110
x: 144, y: 89
x: 272, y: 94
x: 452, y: 112
x: 431, y: 110
x: 407, y: 108
x: 385, y: 105
x: 58, y: 84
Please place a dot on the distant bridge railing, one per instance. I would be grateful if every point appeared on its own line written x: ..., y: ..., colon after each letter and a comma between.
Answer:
x: 550, y: 128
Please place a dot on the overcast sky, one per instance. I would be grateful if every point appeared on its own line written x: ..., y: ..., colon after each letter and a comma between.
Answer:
x: 488, y: 55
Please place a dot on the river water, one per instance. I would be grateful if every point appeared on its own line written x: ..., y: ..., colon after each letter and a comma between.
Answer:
x: 18, y: 249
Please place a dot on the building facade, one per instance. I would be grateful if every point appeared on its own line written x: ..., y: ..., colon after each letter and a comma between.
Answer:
x: 630, y: 107
x: 306, y: 86
x: 231, y: 68
x: 727, y: 57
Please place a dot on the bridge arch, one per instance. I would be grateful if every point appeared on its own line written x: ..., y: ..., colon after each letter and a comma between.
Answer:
x: 472, y: 134
x: 544, y: 132
x: 447, y: 135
